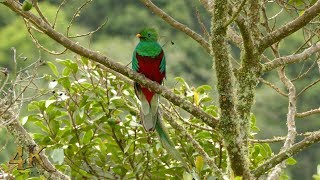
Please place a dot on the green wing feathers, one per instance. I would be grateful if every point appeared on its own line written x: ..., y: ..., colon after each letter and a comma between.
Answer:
x: 135, y: 65
x: 163, y: 64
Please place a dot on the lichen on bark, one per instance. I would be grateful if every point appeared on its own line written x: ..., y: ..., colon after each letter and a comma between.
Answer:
x: 229, y: 122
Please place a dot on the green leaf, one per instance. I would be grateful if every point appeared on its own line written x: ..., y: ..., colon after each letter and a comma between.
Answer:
x: 180, y: 79
x: 48, y: 102
x: 72, y: 66
x: 187, y: 176
x: 203, y: 88
x: 65, y: 82
x: 87, y: 136
x: 84, y: 60
x: 66, y: 71
x: 24, y: 120
x: 57, y: 156
x: 54, y: 125
x: 267, y: 148
x: 34, y: 105
x: 199, y: 162
x: 26, y: 6
x: 291, y: 161
x: 128, y: 146
x: 263, y: 151
x: 53, y: 68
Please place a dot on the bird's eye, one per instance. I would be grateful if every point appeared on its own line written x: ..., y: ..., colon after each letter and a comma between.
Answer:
x: 149, y: 34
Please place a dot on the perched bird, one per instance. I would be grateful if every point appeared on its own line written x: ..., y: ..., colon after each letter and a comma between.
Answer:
x: 149, y: 59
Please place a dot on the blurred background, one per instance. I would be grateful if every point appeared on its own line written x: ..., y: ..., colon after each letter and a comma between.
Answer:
x: 185, y: 58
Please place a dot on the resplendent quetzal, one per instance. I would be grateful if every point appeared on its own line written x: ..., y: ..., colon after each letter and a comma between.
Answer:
x: 149, y: 59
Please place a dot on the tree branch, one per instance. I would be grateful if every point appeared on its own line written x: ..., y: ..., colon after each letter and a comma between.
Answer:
x: 295, y: 58
x: 229, y: 121
x: 273, y: 87
x: 308, y: 113
x: 296, y: 148
x: 235, y: 13
x: 108, y: 62
x: 174, y: 23
x: 291, y: 136
x: 290, y: 27
x: 309, y: 86
x: 195, y: 144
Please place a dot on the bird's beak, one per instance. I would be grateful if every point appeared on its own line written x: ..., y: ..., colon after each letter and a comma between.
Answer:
x: 138, y: 35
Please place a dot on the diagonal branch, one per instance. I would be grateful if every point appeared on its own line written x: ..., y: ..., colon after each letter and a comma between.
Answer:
x: 290, y: 27
x: 308, y: 113
x: 296, y: 148
x: 281, y: 61
x: 108, y: 62
x: 174, y: 23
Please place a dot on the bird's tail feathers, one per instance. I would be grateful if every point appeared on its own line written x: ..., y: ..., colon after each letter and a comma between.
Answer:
x: 168, y: 144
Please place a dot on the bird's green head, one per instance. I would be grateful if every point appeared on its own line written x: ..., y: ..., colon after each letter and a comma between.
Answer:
x: 148, y: 34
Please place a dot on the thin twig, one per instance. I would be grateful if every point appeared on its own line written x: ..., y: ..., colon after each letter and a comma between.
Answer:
x: 235, y: 14
x: 36, y: 42
x: 203, y: 27
x: 275, y: 139
x: 36, y: 6
x: 289, y: 28
x: 57, y: 12
x: 309, y: 86
x: 91, y: 32
x: 305, y: 73
x: 273, y: 87
x: 177, y: 25
x: 76, y: 14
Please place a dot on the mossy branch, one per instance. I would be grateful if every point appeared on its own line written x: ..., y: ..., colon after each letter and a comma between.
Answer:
x: 229, y: 121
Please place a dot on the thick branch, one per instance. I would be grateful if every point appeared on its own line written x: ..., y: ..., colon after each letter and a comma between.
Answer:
x: 296, y: 148
x: 229, y: 122
x: 290, y: 27
x: 295, y: 58
x: 174, y: 23
x: 247, y: 74
x: 97, y: 57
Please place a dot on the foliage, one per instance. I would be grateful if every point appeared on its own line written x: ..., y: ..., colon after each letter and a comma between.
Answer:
x: 317, y: 176
x: 90, y: 127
